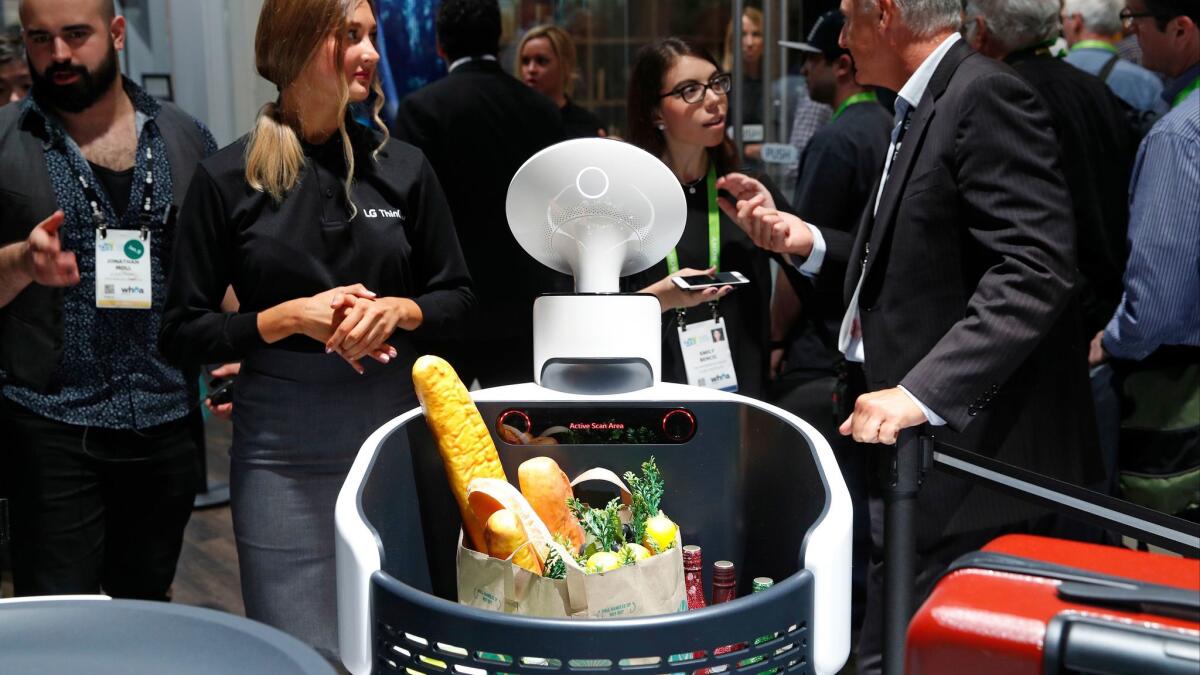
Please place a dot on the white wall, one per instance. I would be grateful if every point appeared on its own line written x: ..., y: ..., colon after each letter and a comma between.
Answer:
x: 147, y: 53
x: 212, y: 43
x: 9, y: 11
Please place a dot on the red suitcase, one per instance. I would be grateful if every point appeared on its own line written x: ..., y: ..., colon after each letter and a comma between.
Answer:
x: 1047, y: 606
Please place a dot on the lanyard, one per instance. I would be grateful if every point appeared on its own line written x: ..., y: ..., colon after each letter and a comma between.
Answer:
x: 1095, y: 44
x: 861, y: 97
x: 714, y: 227
x: 1186, y: 90
x: 145, y: 218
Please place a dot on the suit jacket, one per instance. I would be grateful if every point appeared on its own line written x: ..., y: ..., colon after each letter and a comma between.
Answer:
x: 477, y: 126
x: 1096, y: 148
x: 968, y: 298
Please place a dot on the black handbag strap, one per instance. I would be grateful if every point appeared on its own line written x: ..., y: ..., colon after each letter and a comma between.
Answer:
x: 1108, y: 67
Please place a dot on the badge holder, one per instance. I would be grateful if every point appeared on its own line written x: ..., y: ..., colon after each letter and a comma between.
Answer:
x: 124, y: 277
x: 707, y: 358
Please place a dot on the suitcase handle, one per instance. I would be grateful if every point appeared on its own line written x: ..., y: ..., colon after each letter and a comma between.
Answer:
x: 1087, y: 644
x: 1161, y: 600
x: 1089, y: 587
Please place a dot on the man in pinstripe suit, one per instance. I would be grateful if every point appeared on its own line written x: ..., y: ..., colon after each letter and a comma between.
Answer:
x: 961, y: 285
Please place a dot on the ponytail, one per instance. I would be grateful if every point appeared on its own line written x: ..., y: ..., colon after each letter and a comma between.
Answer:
x: 274, y: 156
x: 289, y: 34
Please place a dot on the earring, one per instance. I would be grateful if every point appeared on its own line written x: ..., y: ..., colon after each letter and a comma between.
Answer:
x: 660, y: 126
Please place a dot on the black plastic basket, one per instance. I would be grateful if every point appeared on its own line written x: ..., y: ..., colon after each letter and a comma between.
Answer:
x: 747, y: 487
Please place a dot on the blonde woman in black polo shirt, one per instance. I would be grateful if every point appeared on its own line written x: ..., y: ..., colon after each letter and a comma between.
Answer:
x: 341, y: 249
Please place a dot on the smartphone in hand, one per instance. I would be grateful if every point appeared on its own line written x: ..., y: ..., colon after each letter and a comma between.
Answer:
x: 702, y: 281
x: 220, y: 390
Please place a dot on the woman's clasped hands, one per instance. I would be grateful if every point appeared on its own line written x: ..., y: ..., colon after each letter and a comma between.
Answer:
x: 355, y: 323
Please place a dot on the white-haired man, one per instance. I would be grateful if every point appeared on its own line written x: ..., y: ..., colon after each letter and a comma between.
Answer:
x: 1093, y: 30
x: 1097, y: 147
x: 961, y: 292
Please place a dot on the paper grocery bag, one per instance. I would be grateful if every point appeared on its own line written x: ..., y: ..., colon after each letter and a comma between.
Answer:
x: 651, y: 586
x: 499, y: 585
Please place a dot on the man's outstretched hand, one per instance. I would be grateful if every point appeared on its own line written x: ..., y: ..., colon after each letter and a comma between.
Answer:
x: 44, y: 260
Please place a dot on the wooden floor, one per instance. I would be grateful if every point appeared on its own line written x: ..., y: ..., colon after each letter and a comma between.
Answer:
x: 207, y: 574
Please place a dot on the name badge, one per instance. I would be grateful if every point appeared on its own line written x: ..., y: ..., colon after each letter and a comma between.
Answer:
x: 706, y: 355
x: 123, y: 270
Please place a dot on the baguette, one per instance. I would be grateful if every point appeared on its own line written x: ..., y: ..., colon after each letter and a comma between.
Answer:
x: 467, y: 449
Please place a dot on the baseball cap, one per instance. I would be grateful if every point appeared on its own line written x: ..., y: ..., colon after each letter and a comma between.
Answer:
x: 823, y: 38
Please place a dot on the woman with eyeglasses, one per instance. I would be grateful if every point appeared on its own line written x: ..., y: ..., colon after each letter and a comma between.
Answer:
x: 678, y: 105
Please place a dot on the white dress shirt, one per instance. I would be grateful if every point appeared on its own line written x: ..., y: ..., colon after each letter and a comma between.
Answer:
x: 849, y: 339
x: 468, y: 59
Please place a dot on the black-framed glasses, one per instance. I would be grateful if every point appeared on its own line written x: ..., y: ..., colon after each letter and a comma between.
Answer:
x: 694, y: 92
x: 1128, y: 16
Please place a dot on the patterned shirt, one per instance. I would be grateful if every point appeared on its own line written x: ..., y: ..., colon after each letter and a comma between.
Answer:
x: 1162, y: 275
x: 111, y: 372
x: 809, y: 118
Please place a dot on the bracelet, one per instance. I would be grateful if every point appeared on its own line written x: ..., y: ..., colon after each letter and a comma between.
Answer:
x: 777, y: 344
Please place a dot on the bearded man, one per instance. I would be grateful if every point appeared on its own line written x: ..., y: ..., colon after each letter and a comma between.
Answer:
x: 99, y: 450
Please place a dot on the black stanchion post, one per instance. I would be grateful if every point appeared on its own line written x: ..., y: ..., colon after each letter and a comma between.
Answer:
x: 912, y: 457
x: 3, y: 521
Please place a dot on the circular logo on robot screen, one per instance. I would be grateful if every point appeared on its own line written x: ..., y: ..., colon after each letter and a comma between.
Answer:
x: 134, y: 249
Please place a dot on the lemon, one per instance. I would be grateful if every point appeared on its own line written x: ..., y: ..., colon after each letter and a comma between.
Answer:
x: 639, y: 552
x: 604, y: 561
x: 662, y: 531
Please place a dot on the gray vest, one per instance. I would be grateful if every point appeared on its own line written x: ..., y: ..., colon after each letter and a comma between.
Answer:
x: 31, y: 340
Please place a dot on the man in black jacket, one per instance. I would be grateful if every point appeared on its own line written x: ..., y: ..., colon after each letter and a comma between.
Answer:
x: 1096, y: 144
x: 1096, y: 150
x: 99, y: 441
x: 477, y: 126
x: 961, y: 283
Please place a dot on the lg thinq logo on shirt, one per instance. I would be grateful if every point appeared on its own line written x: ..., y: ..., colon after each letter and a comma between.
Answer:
x: 383, y: 213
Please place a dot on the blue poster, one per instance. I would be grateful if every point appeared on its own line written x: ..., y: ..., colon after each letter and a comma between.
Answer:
x: 408, y: 49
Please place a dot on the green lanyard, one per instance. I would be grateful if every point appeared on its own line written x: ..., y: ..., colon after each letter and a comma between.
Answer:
x: 861, y: 97
x: 714, y: 227
x: 1184, y: 94
x: 1095, y: 44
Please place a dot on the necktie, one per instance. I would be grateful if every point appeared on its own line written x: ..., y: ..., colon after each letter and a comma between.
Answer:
x: 850, y: 335
x: 902, y: 110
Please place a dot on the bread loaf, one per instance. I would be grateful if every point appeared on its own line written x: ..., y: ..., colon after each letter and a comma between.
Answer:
x: 462, y: 437
x: 547, y: 489
x: 505, y: 536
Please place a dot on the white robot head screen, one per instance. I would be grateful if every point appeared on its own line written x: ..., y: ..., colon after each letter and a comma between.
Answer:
x: 597, y: 209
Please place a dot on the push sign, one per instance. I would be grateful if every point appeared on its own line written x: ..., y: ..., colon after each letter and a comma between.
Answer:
x: 780, y: 153
x: 123, y: 279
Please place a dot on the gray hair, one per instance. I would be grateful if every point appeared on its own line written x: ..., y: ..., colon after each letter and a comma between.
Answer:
x: 925, y: 18
x: 1099, y: 16
x: 1016, y: 23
